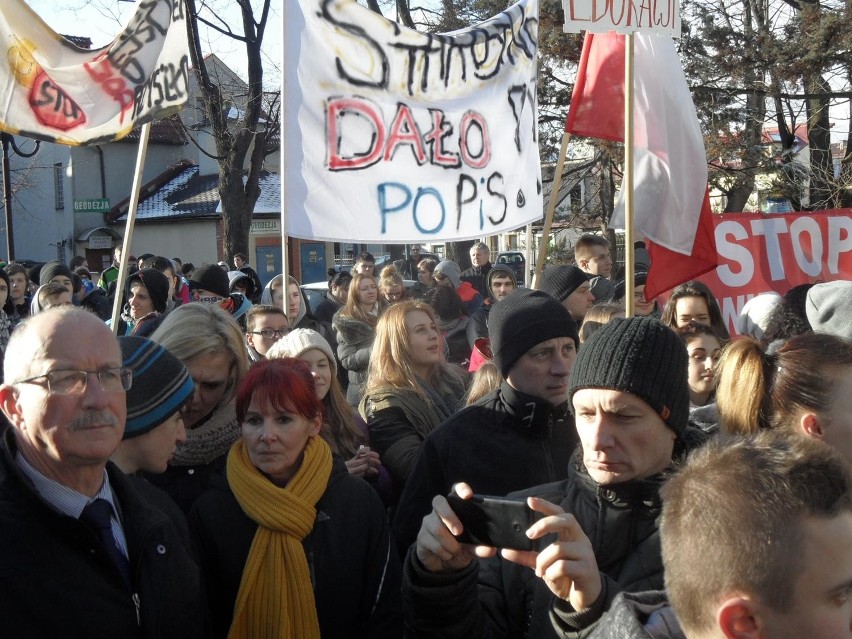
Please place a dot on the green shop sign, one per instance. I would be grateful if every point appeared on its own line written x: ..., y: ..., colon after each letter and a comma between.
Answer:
x: 96, y: 205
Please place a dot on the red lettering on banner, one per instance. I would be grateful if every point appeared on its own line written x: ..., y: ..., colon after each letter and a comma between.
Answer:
x: 52, y: 106
x: 403, y: 130
x: 105, y: 74
x: 364, y: 139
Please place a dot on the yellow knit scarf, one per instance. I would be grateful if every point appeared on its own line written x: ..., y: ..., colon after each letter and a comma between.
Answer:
x: 276, y: 598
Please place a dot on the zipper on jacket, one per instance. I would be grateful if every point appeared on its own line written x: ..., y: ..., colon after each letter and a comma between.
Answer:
x: 138, y: 605
x: 547, y: 452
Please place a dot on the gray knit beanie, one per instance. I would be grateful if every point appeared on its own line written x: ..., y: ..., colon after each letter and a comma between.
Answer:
x: 522, y: 320
x: 641, y: 356
x: 451, y: 270
x: 829, y: 308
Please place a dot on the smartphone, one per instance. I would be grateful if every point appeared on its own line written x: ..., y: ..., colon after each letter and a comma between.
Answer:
x: 500, y: 522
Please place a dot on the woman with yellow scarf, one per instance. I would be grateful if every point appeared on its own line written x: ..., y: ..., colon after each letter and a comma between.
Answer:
x: 292, y: 545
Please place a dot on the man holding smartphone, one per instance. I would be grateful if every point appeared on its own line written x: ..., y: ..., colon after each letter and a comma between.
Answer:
x: 630, y: 399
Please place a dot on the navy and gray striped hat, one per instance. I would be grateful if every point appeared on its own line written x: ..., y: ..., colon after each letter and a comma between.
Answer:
x: 161, y: 384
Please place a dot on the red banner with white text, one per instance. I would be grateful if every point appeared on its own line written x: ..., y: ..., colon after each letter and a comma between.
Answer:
x: 761, y: 253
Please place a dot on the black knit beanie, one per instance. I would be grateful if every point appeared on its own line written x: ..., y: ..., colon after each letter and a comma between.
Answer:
x: 522, y: 320
x: 639, y: 279
x: 211, y: 278
x: 53, y: 269
x: 161, y: 384
x: 560, y: 281
x: 156, y: 284
x: 640, y: 356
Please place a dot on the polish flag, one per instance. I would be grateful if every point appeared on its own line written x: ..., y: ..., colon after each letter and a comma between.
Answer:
x: 669, y: 166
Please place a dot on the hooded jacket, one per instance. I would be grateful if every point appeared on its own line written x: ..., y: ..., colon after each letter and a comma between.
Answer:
x: 478, y: 326
x: 643, y: 615
x: 354, y: 571
x: 506, y: 441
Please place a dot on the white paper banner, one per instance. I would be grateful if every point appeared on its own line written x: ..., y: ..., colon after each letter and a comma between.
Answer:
x: 392, y: 135
x: 52, y: 90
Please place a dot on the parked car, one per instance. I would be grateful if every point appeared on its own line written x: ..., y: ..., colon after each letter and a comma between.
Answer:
x: 516, y: 261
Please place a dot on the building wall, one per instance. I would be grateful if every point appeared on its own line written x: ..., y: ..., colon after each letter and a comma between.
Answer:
x: 192, y: 241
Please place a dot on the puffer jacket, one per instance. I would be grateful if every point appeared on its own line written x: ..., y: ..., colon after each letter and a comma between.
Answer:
x: 354, y: 571
x: 58, y: 582
x: 354, y: 343
x: 497, y: 598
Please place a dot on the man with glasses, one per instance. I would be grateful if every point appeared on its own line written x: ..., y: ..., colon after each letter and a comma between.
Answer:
x: 265, y: 325
x: 108, y: 554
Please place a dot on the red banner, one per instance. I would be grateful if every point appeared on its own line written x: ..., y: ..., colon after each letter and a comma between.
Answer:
x: 761, y: 253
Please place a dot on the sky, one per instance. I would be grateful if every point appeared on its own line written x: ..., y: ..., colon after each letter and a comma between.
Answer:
x: 102, y: 20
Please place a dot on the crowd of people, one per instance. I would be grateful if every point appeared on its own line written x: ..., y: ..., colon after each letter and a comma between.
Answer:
x: 229, y: 461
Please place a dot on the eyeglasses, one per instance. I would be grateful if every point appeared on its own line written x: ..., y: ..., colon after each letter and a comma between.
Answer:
x: 71, y: 382
x: 268, y: 333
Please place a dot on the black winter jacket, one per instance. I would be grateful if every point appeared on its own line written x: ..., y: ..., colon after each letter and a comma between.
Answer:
x: 58, y: 582
x: 497, y: 598
x: 355, y: 573
x: 506, y: 441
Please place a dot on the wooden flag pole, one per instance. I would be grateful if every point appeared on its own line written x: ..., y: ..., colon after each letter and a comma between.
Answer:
x: 144, y: 134
x: 285, y: 271
x: 627, y: 183
x: 551, y: 208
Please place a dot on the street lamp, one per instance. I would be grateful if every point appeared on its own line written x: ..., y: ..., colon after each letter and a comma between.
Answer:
x: 8, y: 140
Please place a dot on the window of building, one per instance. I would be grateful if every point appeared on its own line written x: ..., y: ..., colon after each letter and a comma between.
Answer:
x: 59, y: 186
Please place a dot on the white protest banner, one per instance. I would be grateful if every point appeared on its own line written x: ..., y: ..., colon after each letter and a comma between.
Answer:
x: 622, y: 16
x: 392, y: 135
x: 55, y: 91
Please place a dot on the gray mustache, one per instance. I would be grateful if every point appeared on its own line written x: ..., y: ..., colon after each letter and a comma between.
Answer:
x: 92, y: 418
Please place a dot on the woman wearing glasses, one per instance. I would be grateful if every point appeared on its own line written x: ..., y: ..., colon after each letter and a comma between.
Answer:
x: 211, y: 345
x: 391, y: 285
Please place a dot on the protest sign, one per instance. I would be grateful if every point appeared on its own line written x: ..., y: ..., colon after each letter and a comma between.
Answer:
x: 761, y: 253
x: 622, y: 16
x: 55, y: 91
x: 392, y: 135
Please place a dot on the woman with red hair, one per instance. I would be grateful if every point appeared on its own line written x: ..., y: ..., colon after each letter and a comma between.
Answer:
x: 306, y: 551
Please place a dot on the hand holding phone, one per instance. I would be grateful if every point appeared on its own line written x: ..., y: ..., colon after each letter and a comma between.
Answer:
x: 500, y: 522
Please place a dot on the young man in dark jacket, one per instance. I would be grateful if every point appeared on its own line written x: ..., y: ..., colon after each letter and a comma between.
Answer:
x: 631, y: 402
x: 501, y: 283
x: 109, y: 556
x: 731, y: 496
x: 515, y: 437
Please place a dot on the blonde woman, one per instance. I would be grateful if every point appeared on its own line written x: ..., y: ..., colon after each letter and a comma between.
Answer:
x: 391, y: 285
x: 355, y: 328
x: 410, y: 388
x: 211, y: 345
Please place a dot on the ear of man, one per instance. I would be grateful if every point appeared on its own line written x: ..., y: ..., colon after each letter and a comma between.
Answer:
x: 737, y: 618
x: 9, y: 405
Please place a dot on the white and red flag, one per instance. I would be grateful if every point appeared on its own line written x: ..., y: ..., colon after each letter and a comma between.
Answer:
x: 671, y: 203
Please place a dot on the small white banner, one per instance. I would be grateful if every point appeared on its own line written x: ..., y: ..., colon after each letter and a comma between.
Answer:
x: 392, y: 135
x: 623, y: 16
x: 55, y: 91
